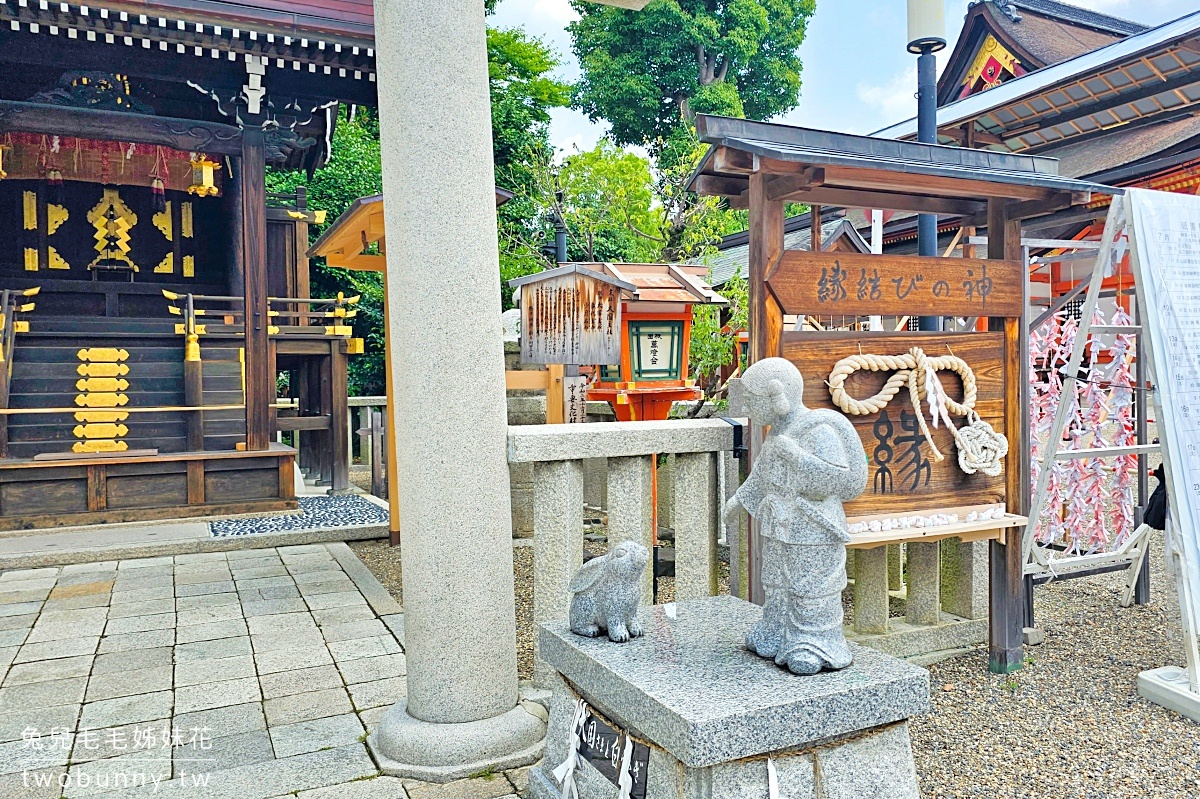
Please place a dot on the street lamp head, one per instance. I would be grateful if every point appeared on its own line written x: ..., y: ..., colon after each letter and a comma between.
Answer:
x: 632, y: 5
x: 926, y: 26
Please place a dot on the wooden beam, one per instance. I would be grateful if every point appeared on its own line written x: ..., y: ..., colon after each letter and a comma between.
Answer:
x: 814, y: 228
x: 727, y: 160
x: 526, y: 380
x: 720, y: 186
x: 181, y: 134
x: 357, y: 262
x: 889, y: 201
x: 1063, y: 200
x: 781, y: 186
x: 260, y: 380
x: 1006, y: 581
x: 867, y: 179
x: 969, y: 137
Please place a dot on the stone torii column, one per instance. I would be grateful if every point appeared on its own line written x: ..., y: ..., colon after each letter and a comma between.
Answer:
x: 461, y: 714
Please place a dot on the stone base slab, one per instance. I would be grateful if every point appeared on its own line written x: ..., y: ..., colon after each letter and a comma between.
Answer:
x: 407, y: 747
x: 904, y: 640
x: 1168, y: 687
x: 711, y: 713
x: 877, y: 764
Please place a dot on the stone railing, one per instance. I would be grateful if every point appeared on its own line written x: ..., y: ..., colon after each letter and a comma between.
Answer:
x: 703, y: 472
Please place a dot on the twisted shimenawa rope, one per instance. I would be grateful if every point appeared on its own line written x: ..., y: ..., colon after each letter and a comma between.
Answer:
x: 980, y: 447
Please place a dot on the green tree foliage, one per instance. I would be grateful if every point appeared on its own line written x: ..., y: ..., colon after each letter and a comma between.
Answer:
x: 607, y: 201
x: 714, y: 338
x: 645, y: 72
x: 353, y: 171
x: 522, y: 93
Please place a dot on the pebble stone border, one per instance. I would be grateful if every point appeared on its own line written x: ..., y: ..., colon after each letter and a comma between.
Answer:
x: 316, y: 513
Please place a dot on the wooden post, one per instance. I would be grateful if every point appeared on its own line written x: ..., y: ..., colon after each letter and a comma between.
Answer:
x: 1006, y: 583
x: 339, y: 418
x: 259, y: 389
x: 766, y: 245
x: 555, y: 404
x: 327, y: 453
x: 766, y: 330
x: 193, y: 389
x: 816, y: 235
x: 9, y: 319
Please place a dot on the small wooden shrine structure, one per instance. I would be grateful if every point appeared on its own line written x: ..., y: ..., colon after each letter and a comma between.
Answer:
x: 761, y: 167
x: 153, y: 293
x: 631, y: 321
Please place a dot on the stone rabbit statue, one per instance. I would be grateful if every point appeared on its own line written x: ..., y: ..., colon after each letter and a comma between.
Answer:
x: 606, y: 593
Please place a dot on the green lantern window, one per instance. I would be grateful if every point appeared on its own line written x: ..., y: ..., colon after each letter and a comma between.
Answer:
x: 656, y: 350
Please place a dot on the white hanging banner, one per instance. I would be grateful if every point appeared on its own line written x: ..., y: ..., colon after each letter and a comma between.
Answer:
x: 1165, y: 246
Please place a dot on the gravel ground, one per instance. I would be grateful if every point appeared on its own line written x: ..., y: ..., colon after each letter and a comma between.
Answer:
x: 1068, y: 725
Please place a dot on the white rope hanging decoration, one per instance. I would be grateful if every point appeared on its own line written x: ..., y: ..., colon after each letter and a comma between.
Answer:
x: 980, y: 447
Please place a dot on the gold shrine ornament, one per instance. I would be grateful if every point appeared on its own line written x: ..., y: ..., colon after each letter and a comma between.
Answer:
x: 991, y: 63
x: 112, y: 221
x: 203, y: 176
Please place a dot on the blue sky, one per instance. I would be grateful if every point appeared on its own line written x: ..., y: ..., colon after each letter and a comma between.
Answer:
x: 857, y: 76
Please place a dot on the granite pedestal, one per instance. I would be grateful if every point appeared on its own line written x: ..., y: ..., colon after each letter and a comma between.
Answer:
x: 711, y: 713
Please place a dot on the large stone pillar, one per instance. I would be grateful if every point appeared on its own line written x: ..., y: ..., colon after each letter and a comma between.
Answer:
x: 461, y: 714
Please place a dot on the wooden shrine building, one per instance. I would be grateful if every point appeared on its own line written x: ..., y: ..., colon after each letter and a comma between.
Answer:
x: 762, y: 166
x: 152, y: 295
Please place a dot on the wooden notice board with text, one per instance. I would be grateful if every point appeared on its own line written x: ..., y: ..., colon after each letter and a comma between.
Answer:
x: 903, y: 475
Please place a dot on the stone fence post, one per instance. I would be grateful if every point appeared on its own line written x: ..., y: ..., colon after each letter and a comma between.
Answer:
x: 558, y: 453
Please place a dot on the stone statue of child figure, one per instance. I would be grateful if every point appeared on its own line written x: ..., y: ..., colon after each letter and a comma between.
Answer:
x: 810, y: 463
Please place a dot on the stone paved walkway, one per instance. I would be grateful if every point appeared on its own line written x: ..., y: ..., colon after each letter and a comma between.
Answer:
x: 232, y: 675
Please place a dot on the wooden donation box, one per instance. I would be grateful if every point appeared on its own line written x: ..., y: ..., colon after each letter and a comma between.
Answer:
x: 917, y: 486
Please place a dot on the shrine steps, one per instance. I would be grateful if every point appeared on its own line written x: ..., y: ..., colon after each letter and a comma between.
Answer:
x: 146, y: 357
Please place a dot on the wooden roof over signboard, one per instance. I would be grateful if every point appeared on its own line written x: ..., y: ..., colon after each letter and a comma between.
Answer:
x: 823, y: 168
x: 669, y: 283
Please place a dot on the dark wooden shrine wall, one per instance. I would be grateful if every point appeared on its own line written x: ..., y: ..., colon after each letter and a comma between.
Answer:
x: 75, y: 240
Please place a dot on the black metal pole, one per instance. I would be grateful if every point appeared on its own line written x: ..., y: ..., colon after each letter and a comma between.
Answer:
x: 927, y: 237
x: 560, y: 232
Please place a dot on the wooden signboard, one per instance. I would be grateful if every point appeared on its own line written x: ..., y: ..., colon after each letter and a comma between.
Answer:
x: 571, y: 318
x: 903, y: 476
x: 825, y: 284
x: 575, y: 400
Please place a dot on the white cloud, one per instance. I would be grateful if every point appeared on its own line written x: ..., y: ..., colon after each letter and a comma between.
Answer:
x: 894, y: 100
